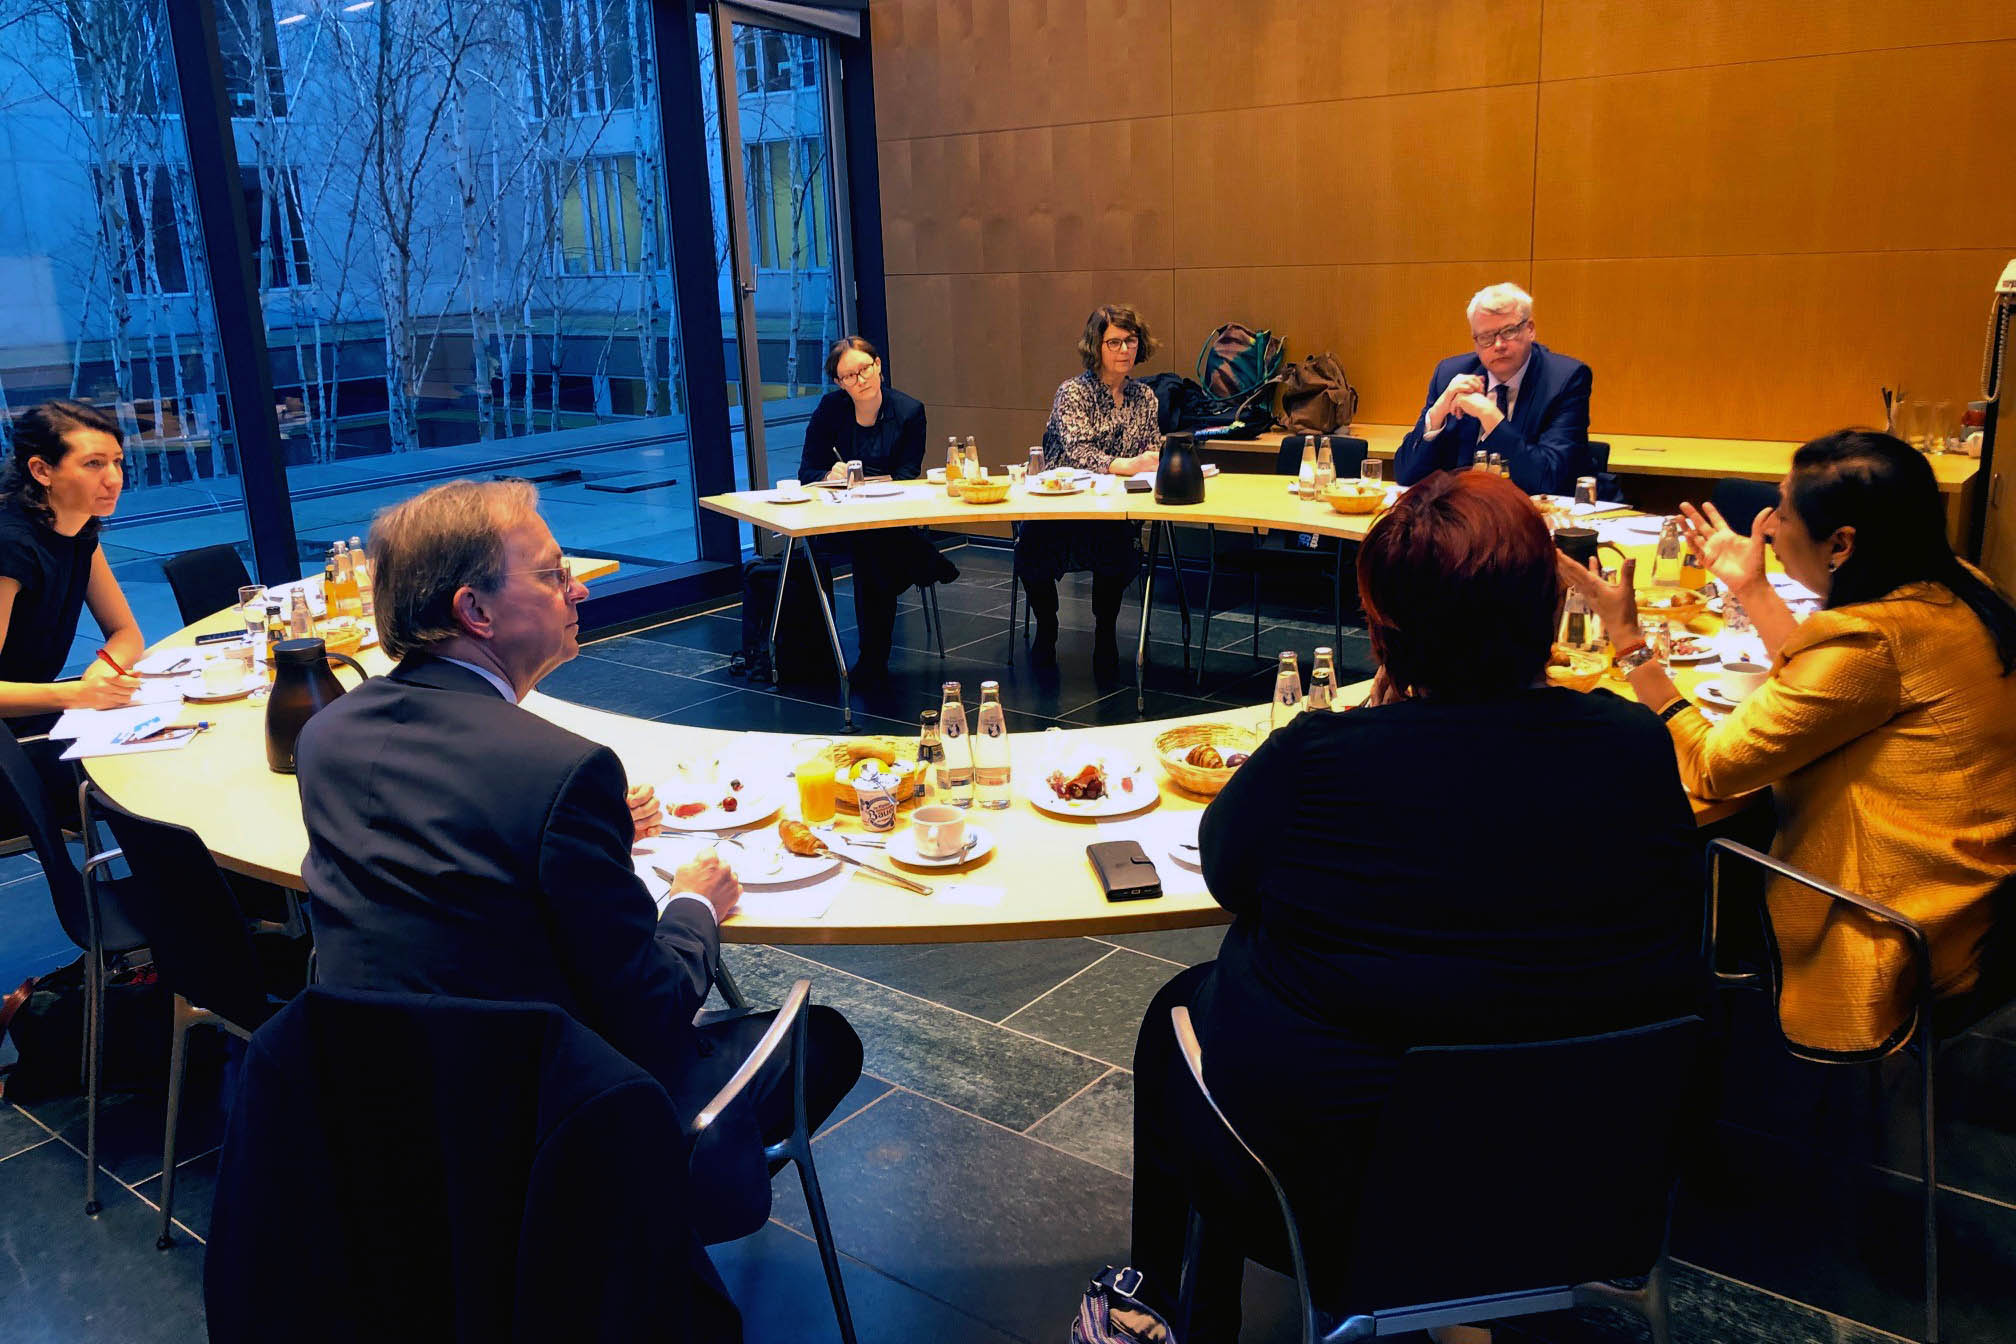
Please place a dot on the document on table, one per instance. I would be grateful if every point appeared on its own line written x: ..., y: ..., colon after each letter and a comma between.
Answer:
x: 103, y: 731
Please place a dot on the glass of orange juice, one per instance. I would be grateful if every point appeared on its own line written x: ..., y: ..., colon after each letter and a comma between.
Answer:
x: 814, y: 772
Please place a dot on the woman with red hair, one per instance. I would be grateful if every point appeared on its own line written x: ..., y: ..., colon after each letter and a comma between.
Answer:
x: 1408, y: 874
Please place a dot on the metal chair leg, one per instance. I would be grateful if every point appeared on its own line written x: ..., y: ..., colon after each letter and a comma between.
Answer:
x: 1337, y: 598
x: 178, y: 1058
x: 1929, y: 1054
x: 1186, y: 1280
x: 94, y: 1070
x: 1256, y: 613
x: 1210, y: 579
x: 822, y: 1232
x: 937, y: 618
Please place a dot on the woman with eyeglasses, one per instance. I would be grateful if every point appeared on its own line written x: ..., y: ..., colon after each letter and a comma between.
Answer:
x: 1886, y: 730
x: 1103, y: 420
x: 865, y: 419
x: 64, y: 477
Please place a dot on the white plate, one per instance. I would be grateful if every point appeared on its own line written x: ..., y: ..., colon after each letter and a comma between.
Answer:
x: 1711, y: 692
x: 1118, y: 801
x: 757, y: 858
x: 787, y: 499
x: 1188, y: 858
x: 884, y: 490
x: 1078, y: 487
x: 757, y: 800
x: 903, y: 848
x: 196, y: 695
x: 1708, y: 654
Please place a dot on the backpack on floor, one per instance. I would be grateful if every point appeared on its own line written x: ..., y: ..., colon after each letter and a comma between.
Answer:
x: 1115, y: 1286
x: 804, y: 653
x: 45, y: 1018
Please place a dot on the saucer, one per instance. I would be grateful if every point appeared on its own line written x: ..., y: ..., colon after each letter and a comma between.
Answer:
x: 902, y: 847
x: 883, y: 490
x: 774, y: 498
x: 199, y: 696
x: 1711, y: 692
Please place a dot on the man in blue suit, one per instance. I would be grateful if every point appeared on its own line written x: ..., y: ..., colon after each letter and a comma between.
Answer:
x: 1514, y: 397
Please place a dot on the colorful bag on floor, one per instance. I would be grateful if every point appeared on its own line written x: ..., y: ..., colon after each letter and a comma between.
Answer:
x: 1116, y: 1286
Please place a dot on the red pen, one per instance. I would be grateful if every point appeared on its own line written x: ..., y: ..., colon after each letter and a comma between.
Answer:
x: 113, y: 663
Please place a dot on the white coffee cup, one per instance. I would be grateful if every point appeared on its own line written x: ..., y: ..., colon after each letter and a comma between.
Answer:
x: 935, y: 475
x: 221, y: 675
x: 938, y: 830
x: 1741, y: 678
x: 788, y: 489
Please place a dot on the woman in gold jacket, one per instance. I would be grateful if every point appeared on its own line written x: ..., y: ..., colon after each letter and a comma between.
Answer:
x: 1887, y: 729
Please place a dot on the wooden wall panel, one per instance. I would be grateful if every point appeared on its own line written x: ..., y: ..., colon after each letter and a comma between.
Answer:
x: 1786, y: 156
x: 1770, y: 347
x: 1426, y: 177
x: 1271, y: 53
x: 1610, y: 37
x: 946, y: 67
x: 1387, y: 325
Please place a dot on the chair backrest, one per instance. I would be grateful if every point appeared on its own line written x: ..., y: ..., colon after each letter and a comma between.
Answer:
x: 1740, y: 501
x: 1505, y: 1168
x: 205, y: 580
x: 1599, y: 456
x: 728, y: 1140
x: 66, y: 886
x: 1347, y: 453
x: 188, y: 914
x: 413, y: 1167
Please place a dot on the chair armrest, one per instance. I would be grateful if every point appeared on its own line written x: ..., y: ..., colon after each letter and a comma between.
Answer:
x: 99, y: 860
x: 787, y: 1019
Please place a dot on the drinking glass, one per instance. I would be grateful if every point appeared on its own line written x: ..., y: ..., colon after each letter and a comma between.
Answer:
x: 1016, y: 471
x: 814, y: 773
x: 1941, y: 427
x: 252, y: 608
x: 1910, y: 422
x: 1371, y: 471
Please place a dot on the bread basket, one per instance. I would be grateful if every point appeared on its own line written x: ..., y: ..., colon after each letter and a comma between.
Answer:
x: 1348, y: 497
x: 986, y: 490
x: 1172, y: 744
x: 884, y: 749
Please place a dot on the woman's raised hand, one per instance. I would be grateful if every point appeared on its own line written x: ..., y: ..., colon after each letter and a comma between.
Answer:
x: 1736, y: 561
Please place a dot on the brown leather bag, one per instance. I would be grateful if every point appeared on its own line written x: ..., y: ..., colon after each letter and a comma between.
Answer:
x: 1316, y: 397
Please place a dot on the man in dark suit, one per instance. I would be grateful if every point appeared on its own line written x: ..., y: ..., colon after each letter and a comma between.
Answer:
x: 461, y: 845
x: 1514, y: 397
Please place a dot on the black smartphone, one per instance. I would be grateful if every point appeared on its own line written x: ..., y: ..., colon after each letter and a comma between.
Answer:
x: 219, y: 636
x: 1124, y: 871
x: 1139, y: 485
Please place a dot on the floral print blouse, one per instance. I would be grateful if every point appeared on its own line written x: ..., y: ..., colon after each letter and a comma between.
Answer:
x: 1088, y: 431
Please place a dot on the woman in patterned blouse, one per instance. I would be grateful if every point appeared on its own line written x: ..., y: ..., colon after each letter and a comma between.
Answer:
x: 1102, y: 421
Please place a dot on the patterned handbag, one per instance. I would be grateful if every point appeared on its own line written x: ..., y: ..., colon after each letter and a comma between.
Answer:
x: 1116, y: 1286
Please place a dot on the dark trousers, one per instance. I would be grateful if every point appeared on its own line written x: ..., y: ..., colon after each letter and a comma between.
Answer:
x: 1184, y: 1159
x: 1109, y: 591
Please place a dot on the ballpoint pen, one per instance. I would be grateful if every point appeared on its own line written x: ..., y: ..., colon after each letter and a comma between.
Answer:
x: 172, y: 731
x: 113, y: 663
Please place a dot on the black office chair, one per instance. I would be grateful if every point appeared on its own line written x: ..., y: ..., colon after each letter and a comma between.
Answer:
x: 409, y: 1167
x: 1504, y: 1180
x: 1930, y: 1023
x: 1740, y: 501
x: 1279, y: 552
x: 1608, y: 487
x: 206, y: 951
x: 94, y: 913
x: 737, y: 1167
x: 205, y: 580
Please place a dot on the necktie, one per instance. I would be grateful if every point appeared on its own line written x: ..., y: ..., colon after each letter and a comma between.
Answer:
x: 1504, y: 391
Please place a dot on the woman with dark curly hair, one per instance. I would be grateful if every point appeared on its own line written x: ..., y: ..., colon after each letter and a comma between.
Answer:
x: 65, y: 475
x: 1103, y: 420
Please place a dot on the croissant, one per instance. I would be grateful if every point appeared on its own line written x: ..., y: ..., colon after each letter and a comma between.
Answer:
x: 1205, y: 757
x: 798, y: 838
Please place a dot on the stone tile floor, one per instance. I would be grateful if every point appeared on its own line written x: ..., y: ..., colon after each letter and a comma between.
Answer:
x: 981, y: 1169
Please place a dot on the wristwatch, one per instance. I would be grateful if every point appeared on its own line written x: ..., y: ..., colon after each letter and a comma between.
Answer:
x: 1636, y: 658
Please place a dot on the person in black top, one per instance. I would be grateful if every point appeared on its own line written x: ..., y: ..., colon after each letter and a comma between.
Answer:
x: 1400, y: 875
x: 65, y: 474
x: 864, y: 419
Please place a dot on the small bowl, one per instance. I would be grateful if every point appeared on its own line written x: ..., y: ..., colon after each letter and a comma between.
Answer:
x: 1354, y: 498
x: 987, y: 490
x: 1577, y: 669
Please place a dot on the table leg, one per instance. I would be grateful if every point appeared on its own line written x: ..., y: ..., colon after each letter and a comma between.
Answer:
x: 839, y: 658
x: 1182, y: 595
x: 777, y: 612
x: 1147, y: 605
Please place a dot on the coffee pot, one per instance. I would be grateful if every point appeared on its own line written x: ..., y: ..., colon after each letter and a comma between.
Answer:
x: 302, y: 686
x: 1580, y: 544
x: 1179, y: 475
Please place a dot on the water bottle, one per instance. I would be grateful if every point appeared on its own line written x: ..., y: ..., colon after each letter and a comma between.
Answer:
x: 1287, y: 692
x: 1305, y: 483
x: 954, y: 784
x: 1326, y: 466
x: 991, y: 764
x: 930, y: 756
x: 1321, y: 695
x: 1324, y: 666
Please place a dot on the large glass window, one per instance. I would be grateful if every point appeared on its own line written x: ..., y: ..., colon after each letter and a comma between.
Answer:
x: 465, y: 234
x: 104, y: 282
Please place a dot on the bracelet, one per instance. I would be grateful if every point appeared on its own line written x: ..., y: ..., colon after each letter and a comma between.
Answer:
x: 1619, y: 655
x: 1666, y: 714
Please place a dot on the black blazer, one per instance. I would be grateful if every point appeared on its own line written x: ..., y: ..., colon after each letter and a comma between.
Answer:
x: 461, y: 845
x: 1419, y: 874
x: 1545, y: 441
x: 893, y: 446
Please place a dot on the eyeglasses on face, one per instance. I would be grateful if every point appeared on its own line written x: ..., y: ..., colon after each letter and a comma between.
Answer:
x: 1486, y: 339
x: 860, y: 376
x: 1118, y: 343
x: 559, y: 576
